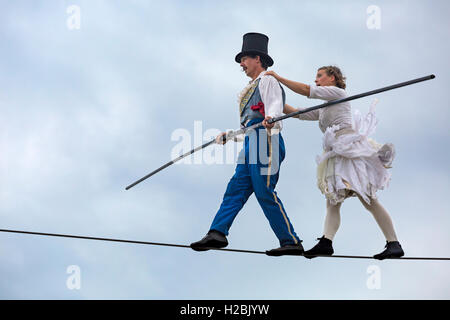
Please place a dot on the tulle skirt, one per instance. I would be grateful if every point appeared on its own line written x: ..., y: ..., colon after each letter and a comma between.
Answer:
x: 352, y: 163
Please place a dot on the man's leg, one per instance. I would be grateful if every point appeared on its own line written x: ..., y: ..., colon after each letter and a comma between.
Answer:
x: 236, y: 195
x: 238, y: 190
x: 264, y: 180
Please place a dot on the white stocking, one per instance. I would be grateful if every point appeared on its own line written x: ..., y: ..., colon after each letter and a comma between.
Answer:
x: 332, y: 220
x: 382, y: 218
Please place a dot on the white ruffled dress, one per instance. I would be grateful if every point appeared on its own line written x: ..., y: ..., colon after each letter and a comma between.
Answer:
x: 351, y: 163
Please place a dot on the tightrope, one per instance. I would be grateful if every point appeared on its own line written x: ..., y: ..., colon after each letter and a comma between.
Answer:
x: 187, y: 246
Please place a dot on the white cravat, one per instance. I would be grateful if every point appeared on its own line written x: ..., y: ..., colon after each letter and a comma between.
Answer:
x: 271, y: 96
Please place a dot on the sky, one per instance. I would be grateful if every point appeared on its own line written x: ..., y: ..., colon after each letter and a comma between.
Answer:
x: 90, y: 105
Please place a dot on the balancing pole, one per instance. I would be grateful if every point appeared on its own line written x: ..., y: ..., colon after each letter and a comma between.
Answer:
x: 232, y: 134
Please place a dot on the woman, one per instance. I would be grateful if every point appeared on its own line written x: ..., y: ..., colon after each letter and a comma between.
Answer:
x: 352, y: 164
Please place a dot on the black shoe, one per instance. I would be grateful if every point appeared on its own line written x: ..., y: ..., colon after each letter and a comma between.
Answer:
x: 287, y: 250
x: 213, y: 240
x: 393, y: 250
x: 323, y: 248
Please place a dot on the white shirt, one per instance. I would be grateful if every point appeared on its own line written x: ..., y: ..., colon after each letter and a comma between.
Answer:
x: 338, y: 114
x: 271, y: 96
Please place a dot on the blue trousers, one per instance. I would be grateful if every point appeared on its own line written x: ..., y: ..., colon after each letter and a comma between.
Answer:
x: 257, y: 171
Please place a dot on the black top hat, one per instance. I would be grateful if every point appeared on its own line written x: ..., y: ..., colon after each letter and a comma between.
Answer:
x: 255, y: 43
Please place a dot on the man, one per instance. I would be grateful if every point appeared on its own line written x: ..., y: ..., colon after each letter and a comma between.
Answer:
x: 258, y: 165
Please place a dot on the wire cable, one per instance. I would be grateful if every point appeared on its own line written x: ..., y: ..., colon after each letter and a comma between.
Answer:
x: 187, y: 246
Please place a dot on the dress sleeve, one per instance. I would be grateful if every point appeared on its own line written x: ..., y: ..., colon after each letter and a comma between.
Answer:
x: 311, y: 115
x: 326, y: 92
x: 272, y: 97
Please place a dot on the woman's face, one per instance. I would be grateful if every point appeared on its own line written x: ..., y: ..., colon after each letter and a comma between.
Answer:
x: 322, y: 79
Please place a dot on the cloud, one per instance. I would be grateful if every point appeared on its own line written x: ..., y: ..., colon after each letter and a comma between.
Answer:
x: 86, y: 112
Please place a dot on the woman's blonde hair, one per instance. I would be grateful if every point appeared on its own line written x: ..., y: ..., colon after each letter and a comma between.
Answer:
x: 336, y: 72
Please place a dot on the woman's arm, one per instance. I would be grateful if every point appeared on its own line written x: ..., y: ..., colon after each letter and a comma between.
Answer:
x: 295, y: 86
x: 289, y: 109
x: 311, y: 115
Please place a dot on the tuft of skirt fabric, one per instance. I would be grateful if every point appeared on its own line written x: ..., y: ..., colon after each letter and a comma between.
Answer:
x: 352, y: 163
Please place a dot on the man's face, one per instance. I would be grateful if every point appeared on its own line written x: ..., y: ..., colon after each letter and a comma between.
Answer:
x: 322, y: 79
x: 250, y: 65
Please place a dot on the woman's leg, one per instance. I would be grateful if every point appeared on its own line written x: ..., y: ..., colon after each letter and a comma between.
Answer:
x: 332, y: 220
x: 393, y: 247
x: 382, y: 217
x: 331, y: 226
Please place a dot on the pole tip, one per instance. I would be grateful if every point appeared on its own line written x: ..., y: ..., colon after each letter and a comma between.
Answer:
x: 432, y: 76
